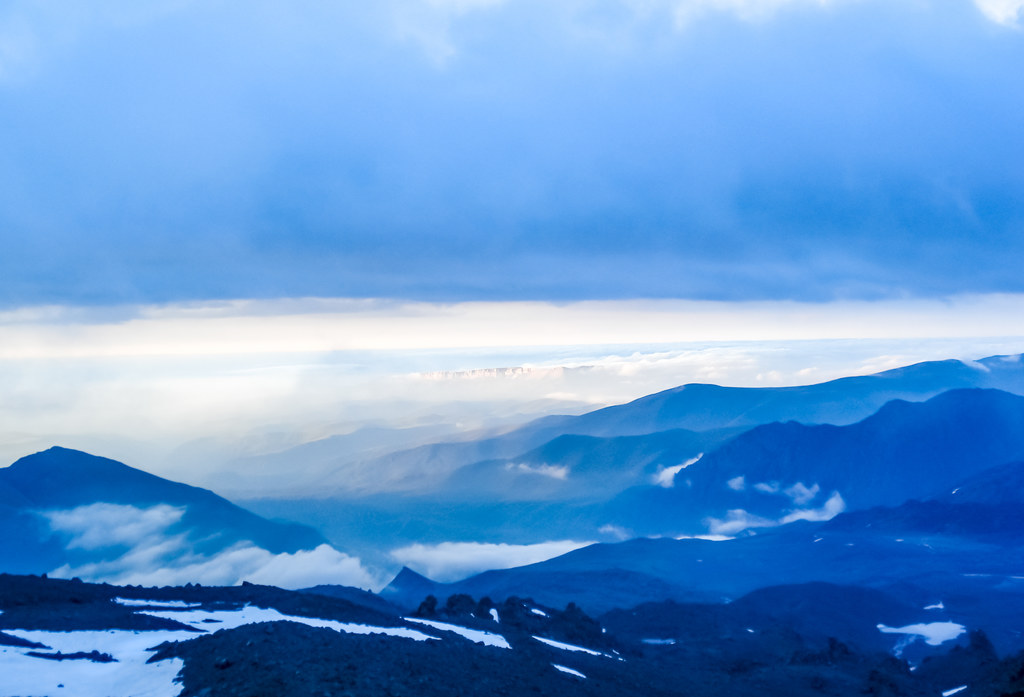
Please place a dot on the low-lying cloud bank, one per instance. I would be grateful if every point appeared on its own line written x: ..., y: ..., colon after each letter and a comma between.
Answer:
x: 155, y: 556
x: 738, y: 520
x: 452, y: 561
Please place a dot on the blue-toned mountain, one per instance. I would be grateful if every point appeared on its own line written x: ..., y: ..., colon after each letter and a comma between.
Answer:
x: 63, y: 507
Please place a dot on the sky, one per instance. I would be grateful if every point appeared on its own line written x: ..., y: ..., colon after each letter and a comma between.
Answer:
x: 279, y: 218
x: 230, y: 228
x: 448, y: 150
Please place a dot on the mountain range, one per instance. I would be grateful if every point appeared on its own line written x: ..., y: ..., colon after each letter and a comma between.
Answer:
x: 633, y: 469
x: 896, y: 534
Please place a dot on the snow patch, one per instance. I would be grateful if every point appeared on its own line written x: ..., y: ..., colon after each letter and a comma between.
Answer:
x: 658, y: 642
x: 935, y: 606
x: 572, y: 647
x: 570, y: 671
x: 494, y: 615
x: 476, y: 635
x: 538, y: 611
x: 934, y: 633
x: 132, y: 602
x: 230, y: 619
x: 950, y: 693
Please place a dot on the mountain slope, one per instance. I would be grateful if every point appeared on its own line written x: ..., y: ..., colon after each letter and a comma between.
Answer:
x: 65, y: 508
x: 573, y: 467
x: 695, y: 407
x: 786, y: 471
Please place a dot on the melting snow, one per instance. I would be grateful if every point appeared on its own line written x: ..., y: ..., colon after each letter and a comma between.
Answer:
x: 571, y: 647
x: 934, y: 633
x: 570, y: 671
x: 131, y: 602
x: 480, y: 637
x: 129, y: 674
x: 950, y: 693
x: 229, y: 619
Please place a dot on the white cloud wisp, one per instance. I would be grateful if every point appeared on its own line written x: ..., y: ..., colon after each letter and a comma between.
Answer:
x: 452, y: 561
x: 158, y: 558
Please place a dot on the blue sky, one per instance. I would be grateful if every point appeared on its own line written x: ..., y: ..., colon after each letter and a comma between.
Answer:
x: 452, y: 150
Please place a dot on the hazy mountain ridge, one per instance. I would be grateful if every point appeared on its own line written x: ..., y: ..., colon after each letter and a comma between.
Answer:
x: 445, y: 486
x: 693, y: 407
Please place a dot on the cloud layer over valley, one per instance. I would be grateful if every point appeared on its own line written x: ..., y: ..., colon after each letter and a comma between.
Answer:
x: 135, y: 546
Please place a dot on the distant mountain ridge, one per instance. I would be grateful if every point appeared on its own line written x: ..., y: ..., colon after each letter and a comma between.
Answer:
x: 905, y: 450
x: 694, y: 407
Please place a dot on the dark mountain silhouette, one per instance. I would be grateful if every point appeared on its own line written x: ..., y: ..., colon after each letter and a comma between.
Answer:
x: 60, y: 479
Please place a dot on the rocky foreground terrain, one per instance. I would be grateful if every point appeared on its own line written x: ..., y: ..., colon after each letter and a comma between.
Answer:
x: 60, y: 637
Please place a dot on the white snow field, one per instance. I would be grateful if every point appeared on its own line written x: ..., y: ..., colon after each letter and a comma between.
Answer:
x: 130, y: 676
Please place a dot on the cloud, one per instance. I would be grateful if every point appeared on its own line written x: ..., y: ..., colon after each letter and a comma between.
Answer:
x: 616, y: 531
x: 738, y: 520
x: 666, y: 476
x: 686, y: 11
x: 314, y: 325
x: 451, y: 561
x: 102, y: 525
x: 1006, y: 12
x: 801, y: 494
x: 429, y: 24
x: 737, y: 483
x: 805, y: 130
x: 135, y: 382
x: 560, y: 472
x: 156, y: 557
x: 831, y: 508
